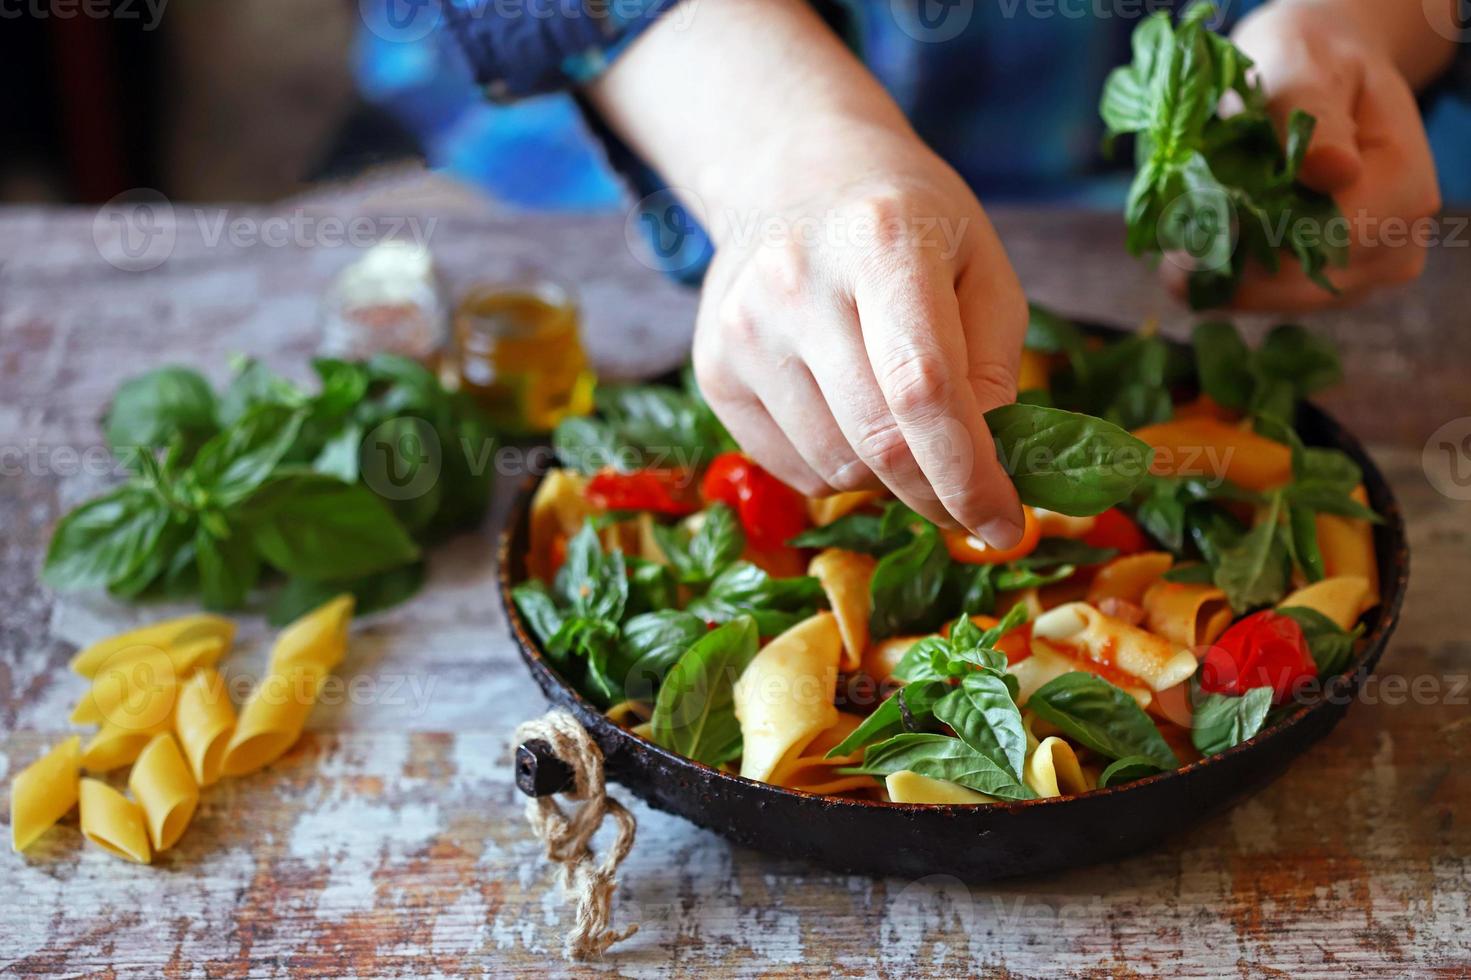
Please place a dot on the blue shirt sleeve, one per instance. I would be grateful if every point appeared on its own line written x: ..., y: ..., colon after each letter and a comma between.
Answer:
x: 518, y: 48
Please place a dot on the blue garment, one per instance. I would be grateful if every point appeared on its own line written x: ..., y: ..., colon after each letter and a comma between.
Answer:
x: 1006, y: 90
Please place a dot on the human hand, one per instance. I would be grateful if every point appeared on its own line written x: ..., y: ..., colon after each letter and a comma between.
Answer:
x: 1369, y: 151
x: 860, y: 345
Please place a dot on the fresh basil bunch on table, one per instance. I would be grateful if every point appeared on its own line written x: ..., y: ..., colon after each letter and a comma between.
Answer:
x: 335, y: 490
x: 1222, y: 188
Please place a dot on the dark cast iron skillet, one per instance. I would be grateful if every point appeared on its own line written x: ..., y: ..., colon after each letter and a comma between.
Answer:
x: 974, y: 843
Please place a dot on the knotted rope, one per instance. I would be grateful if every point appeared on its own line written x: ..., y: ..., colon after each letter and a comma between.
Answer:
x: 568, y: 834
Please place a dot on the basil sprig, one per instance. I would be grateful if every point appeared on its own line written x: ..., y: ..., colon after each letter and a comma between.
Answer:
x: 268, y: 476
x: 1220, y: 188
x: 1223, y: 720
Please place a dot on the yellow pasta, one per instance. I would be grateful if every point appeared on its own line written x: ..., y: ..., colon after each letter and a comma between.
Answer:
x: 845, y: 577
x: 317, y: 638
x: 1343, y: 599
x: 1347, y: 545
x: 1129, y: 576
x: 1188, y: 614
x: 557, y: 508
x: 1055, y: 525
x: 272, y: 718
x: 135, y: 694
x: 161, y: 783
x: 1081, y: 630
x: 813, y: 772
x: 1052, y: 769
x: 784, y: 697
x: 203, y: 720
x: 43, y: 792
x: 1204, y: 446
x: 905, y: 786
x: 1046, y: 664
x: 170, y: 633
x: 113, y: 822
x: 629, y: 713
x: 115, y: 746
x: 825, y: 510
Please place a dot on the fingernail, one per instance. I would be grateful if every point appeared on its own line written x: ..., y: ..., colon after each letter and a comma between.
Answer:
x: 1000, y: 533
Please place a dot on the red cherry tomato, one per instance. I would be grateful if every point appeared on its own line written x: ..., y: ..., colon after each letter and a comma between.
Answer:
x: 770, y: 511
x: 666, y: 491
x: 970, y: 550
x: 1115, y: 529
x: 1266, y: 649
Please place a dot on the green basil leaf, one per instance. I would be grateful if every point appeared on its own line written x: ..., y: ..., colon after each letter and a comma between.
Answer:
x: 1191, y: 573
x: 371, y: 593
x: 1100, y: 716
x: 651, y: 586
x: 588, y: 445
x: 1331, y: 646
x: 906, y: 584
x: 1301, y: 521
x: 1066, y: 462
x: 539, y: 609
x: 1255, y: 571
x: 701, y: 556
x: 1222, y: 720
x: 149, y: 410
x: 338, y: 456
x: 1223, y: 363
x: 1126, y: 770
x: 943, y: 757
x: 872, y: 534
x: 228, y: 568
x: 252, y: 385
x: 744, y: 590
x: 314, y: 527
x: 650, y: 644
x: 105, y: 540
x: 694, y: 713
x: 1051, y: 333
x: 593, y: 584
x: 235, y: 462
x: 909, y: 709
x: 1293, y: 353
x: 983, y: 714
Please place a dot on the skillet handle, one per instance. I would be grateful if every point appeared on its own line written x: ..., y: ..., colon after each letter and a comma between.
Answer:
x: 538, y: 771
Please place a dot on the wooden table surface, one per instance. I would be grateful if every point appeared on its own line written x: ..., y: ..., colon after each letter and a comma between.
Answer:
x: 391, y: 841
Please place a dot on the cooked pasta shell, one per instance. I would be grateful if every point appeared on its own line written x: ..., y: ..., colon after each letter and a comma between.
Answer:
x: 905, y: 786
x: 317, y: 638
x: 845, y: 577
x: 813, y: 772
x: 1342, y: 599
x: 1208, y: 447
x: 1052, y: 769
x: 784, y: 697
x: 1086, y: 633
x: 1032, y: 373
x: 113, y: 822
x: 1347, y: 545
x: 1129, y: 576
x: 164, y: 635
x: 1055, y: 525
x: 204, y: 719
x: 1187, y: 614
x: 272, y: 718
x: 161, y: 782
x: 43, y: 792
x: 1047, y: 664
x: 825, y: 510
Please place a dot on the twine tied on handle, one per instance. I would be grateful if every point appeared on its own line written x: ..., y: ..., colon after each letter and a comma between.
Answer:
x: 568, y: 834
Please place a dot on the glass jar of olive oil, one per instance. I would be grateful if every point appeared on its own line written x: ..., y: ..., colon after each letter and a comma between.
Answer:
x: 518, y: 352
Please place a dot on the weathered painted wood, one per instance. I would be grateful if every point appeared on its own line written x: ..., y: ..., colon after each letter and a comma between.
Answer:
x: 391, y: 840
